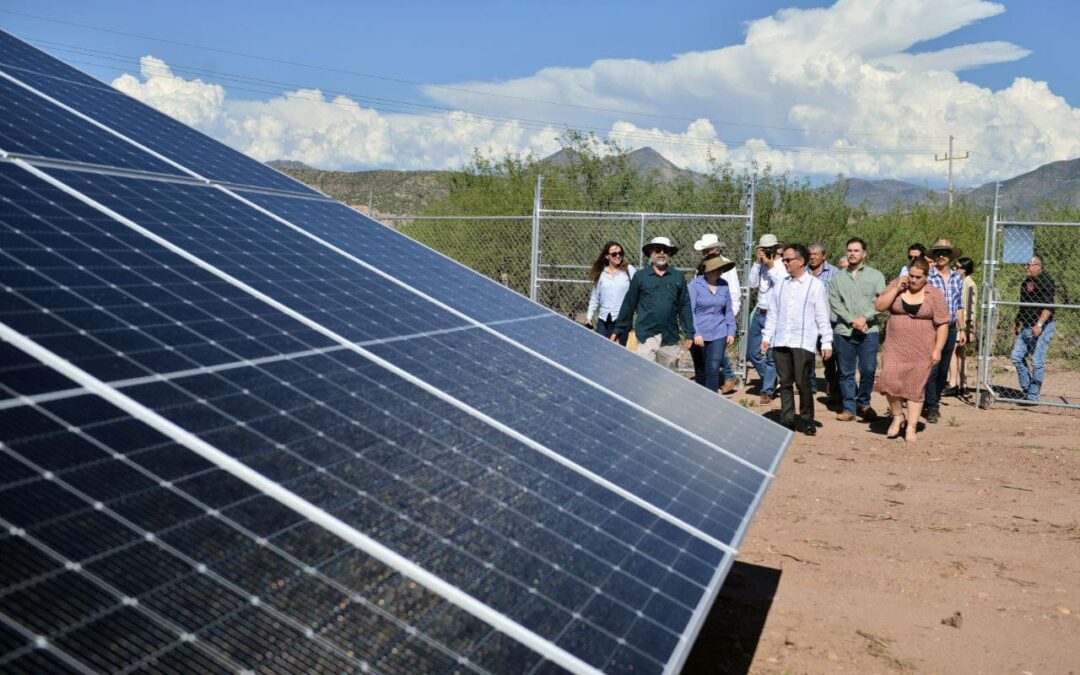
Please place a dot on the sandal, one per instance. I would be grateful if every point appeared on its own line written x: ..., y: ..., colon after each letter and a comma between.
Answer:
x: 898, y: 423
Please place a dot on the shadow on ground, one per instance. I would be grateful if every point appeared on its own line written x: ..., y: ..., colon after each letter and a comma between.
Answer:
x: 730, y: 635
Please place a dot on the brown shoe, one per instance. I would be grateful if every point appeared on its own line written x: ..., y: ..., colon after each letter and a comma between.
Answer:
x: 765, y: 399
x: 727, y: 387
x: 845, y: 416
x: 867, y: 413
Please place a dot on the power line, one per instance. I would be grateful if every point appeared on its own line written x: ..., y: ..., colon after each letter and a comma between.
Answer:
x: 262, y: 86
x: 385, y: 78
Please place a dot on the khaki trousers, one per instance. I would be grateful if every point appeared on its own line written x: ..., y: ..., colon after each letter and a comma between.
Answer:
x: 651, y: 349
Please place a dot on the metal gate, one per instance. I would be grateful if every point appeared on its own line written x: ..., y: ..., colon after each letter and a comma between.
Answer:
x: 1011, y: 355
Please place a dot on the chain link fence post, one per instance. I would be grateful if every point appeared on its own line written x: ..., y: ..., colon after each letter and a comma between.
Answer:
x: 1031, y: 308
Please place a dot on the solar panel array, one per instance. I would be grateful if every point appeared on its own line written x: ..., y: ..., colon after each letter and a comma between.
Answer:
x: 244, y: 427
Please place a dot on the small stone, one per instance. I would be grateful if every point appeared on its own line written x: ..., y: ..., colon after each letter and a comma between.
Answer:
x: 955, y: 620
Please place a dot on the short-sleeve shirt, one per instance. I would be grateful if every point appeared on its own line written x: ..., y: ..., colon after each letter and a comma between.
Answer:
x: 1035, y: 289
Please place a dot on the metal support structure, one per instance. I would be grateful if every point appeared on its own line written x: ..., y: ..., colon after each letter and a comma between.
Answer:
x: 748, y: 260
x: 982, y: 361
x: 534, y: 263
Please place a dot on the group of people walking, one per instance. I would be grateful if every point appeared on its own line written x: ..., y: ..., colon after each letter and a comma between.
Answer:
x: 807, y: 307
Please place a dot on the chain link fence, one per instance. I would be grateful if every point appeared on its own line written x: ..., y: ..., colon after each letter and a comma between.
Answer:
x: 547, y: 255
x: 499, y: 247
x: 1031, y: 276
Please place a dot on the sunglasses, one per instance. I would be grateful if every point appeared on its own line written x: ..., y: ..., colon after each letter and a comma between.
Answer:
x: 940, y: 253
x: 787, y: 260
x: 914, y: 257
x: 616, y: 254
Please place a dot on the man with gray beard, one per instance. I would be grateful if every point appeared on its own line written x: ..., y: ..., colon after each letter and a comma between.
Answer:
x: 659, y: 297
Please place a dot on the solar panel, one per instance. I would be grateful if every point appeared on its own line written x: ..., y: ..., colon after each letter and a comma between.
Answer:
x: 248, y: 430
x: 200, y: 155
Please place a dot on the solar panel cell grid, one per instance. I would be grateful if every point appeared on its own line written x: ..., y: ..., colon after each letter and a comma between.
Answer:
x: 144, y: 125
x: 96, y: 528
x: 480, y: 371
x: 269, y: 451
x: 684, y: 405
x: 321, y: 390
x: 30, y: 125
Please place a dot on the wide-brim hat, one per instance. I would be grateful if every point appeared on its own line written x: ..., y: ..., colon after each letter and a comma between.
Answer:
x: 657, y: 242
x: 707, y: 241
x: 719, y: 262
x: 954, y: 252
x: 768, y: 240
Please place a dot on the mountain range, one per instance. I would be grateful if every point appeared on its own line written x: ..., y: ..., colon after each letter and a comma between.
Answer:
x: 403, y: 192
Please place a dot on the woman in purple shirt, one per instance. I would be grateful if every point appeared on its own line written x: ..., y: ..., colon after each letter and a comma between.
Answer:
x: 714, y: 322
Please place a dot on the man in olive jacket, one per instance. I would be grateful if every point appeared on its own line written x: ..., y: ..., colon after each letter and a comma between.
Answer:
x: 659, y: 296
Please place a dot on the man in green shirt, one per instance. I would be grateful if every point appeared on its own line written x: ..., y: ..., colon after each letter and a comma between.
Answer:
x: 852, y: 292
x: 659, y: 297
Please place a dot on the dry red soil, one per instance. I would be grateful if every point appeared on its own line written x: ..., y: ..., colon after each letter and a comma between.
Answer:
x: 958, y: 554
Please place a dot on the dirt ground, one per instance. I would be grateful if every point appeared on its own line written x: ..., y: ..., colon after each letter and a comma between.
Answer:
x: 958, y: 554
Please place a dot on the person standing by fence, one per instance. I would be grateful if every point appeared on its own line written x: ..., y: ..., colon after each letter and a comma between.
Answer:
x: 852, y: 293
x: 659, y: 297
x: 1034, y: 328
x: 710, y: 245
x: 610, y: 275
x: 714, y: 320
x: 917, y: 330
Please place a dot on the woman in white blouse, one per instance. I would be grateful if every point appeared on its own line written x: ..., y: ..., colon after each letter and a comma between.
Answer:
x: 610, y: 275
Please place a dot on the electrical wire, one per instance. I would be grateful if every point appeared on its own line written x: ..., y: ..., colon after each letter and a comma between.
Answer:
x: 270, y: 87
x: 473, y: 92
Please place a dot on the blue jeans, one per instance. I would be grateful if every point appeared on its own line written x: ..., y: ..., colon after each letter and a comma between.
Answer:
x: 939, y: 374
x: 606, y: 328
x: 708, y: 362
x: 858, y: 351
x: 763, y: 364
x: 1028, y: 345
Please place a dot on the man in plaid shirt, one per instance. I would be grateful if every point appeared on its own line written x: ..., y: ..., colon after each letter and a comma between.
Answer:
x: 952, y: 285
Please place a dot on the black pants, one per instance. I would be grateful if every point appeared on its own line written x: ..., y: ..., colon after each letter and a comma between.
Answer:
x: 794, y: 366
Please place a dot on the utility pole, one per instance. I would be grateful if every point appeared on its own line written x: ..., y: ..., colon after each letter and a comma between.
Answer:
x: 949, y: 157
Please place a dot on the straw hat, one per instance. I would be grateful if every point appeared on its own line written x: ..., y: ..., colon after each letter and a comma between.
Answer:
x: 718, y: 262
x: 942, y: 244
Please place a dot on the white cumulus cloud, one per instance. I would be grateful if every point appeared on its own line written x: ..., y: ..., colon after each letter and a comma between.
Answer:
x: 840, y: 89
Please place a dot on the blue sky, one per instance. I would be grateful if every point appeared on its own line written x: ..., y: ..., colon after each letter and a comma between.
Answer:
x: 582, y: 57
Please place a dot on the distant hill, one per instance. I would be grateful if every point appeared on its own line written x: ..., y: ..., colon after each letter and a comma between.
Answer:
x: 881, y: 195
x: 1057, y: 182
x: 645, y: 160
x: 390, y: 192
x: 283, y: 164
x: 405, y: 192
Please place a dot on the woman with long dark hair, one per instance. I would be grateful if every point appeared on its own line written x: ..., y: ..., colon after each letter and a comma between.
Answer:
x: 610, y: 276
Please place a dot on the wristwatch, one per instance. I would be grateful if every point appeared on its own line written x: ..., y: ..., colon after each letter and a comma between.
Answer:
x: 1038, y: 325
